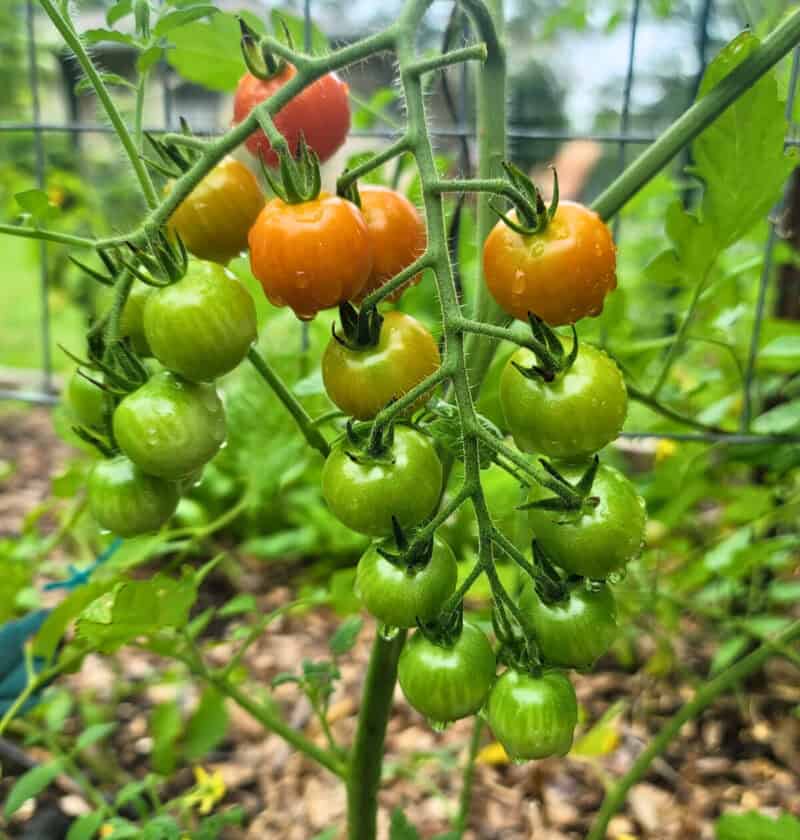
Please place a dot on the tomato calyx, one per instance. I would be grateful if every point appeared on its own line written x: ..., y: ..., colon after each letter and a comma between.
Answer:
x: 348, y: 189
x: 412, y: 556
x: 368, y: 447
x: 173, y: 160
x: 516, y: 649
x: 575, y: 499
x: 300, y: 180
x: 446, y: 629
x: 164, y: 261
x: 549, y: 351
x: 361, y: 330
x: 260, y: 60
x: 533, y: 215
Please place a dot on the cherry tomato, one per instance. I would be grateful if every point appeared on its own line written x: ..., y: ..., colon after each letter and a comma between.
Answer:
x: 213, y: 220
x: 576, y: 414
x: 202, y: 326
x: 131, y: 323
x: 575, y: 631
x: 126, y: 501
x: 362, y: 382
x: 321, y: 113
x: 397, y: 232
x: 397, y: 595
x: 170, y: 427
x: 405, y: 482
x: 533, y: 716
x: 562, y: 274
x: 600, y: 539
x: 87, y: 402
x: 311, y: 256
x: 447, y: 683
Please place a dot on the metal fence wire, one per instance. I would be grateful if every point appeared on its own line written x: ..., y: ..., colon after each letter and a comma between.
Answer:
x: 46, y: 393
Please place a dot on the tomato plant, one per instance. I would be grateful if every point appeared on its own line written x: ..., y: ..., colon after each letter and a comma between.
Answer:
x: 132, y: 321
x: 87, y: 402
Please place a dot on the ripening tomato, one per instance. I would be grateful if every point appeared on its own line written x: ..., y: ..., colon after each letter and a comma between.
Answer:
x: 599, y: 539
x: 126, y: 501
x: 398, y: 595
x: 203, y: 325
x: 87, y: 402
x: 170, y: 427
x: 573, y: 416
x: 363, y: 381
x: 398, y: 236
x: 312, y: 255
x: 404, y: 482
x: 131, y: 324
x: 533, y: 716
x: 561, y: 274
x: 320, y: 113
x: 575, y: 631
x: 213, y: 220
x: 446, y: 683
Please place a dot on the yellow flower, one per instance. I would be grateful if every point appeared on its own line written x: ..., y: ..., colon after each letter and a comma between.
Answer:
x: 665, y: 449
x: 492, y: 754
x: 209, y: 790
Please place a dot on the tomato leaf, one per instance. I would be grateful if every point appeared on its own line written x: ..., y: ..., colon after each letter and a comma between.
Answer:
x: 97, y: 36
x: 85, y: 85
x: 207, y: 726
x: 147, y: 59
x: 86, y: 826
x: 93, y: 734
x: 118, y: 11
x: 401, y: 828
x: 296, y: 27
x: 346, y: 635
x: 29, y: 785
x: 779, y: 420
x: 180, y: 17
x: 36, y: 204
x: 755, y: 826
x: 165, y: 728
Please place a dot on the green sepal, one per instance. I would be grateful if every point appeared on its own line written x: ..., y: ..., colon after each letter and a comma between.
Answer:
x: 533, y: 215
x: 260, y: 61
x: 300, y: 179
x: 361, y: 329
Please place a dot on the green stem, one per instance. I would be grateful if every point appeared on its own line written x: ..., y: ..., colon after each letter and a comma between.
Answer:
x: 141, y: 89
x: 366, y: 762
x: 665, y: 411
x: 774, y: 47
x: 467, y: 780
x: 492, y: 186
x: 74, y: 42
x: 399, y: 147
x: 615, y: 798
x: 303, y: 419
x: 475, y: 52
x: 492, y: 331
x: 420, y: 264
x: 48, y: 235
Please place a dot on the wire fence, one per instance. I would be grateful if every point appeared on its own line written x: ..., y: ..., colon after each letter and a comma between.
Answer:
x: 46, y: 393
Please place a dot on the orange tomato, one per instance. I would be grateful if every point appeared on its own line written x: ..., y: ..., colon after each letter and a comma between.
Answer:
x: 312, y: 255
x: 561, y: 274
x: 397, y: 232
x: 213, y: 220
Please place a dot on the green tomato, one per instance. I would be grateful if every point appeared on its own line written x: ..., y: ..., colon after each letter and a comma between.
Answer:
x: 404, y: 482
x: 575, y: 631
x: 599, y: 539
x: 202, y: 326
x: 575, y: 415
x: 398, y: 596
x: 170, y: 427
x: 128, y: 502
x: 447, y: 683
x: 533, y: 716
x: 131, y: 324
x: 87, y: 402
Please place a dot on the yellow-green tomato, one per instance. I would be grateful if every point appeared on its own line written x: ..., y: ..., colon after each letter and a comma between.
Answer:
x: 170, y: 427
x: 533, y: 716
x: 578, y: 413
x: 365, y: 493
x: 202, y: 326
x: 362, y: 382
x: 398, y: 595
x: 126, y: 501
x: 131, y: 323
x: 86, y: 402
x: 447, y: 682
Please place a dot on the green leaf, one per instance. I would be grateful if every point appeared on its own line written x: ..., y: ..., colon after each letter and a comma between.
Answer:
x: 56, y: 623
x: 118, y: 11
x: 85, y: 85
x: 36, y: 204
x: 779, y: 420
x: 243, y: 603
x: 755, y: 826
x: 728, y: 652
x: 149, y: 58
x: 180, y: 17
x: 97, y: 36
x: 786, y: 347
x: 208, y: 53
x: 133, y: 790
x: 207, y: 726
x: 346, y: 635
x: 29, y: 785
x: 401, y: 828
x: 296, y: 27
x: 93, y: 734
x: 328, y: 834
x: 165, y: 727
x: 86, y: 826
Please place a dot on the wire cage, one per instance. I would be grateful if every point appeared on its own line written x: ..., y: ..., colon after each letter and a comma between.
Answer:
x: 46, y: 393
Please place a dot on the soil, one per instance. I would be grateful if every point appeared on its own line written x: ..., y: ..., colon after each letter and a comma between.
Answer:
x: 742, y: 754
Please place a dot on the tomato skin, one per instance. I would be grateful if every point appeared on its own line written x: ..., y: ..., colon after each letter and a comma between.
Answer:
x: 398, y: 236
x: 213, y: 220
x: 321, y: 113
x: 447, y: 684
x: 86, y: 402
x: 574, y: 632
x: 170, y: 427
x: 600, y: 540
x: 310, y: 256
x: 362, y: 382
x: 366, y: 496
x: 533, y: 717
x: 131, y: 324
x: 202, y: 326
x: 562, y: 274
x: 398, y: 597
x: 575, y: 415
x: 126, y: 501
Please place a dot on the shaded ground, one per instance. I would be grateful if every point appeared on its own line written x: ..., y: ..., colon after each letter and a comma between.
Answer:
x: 744, y: 753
